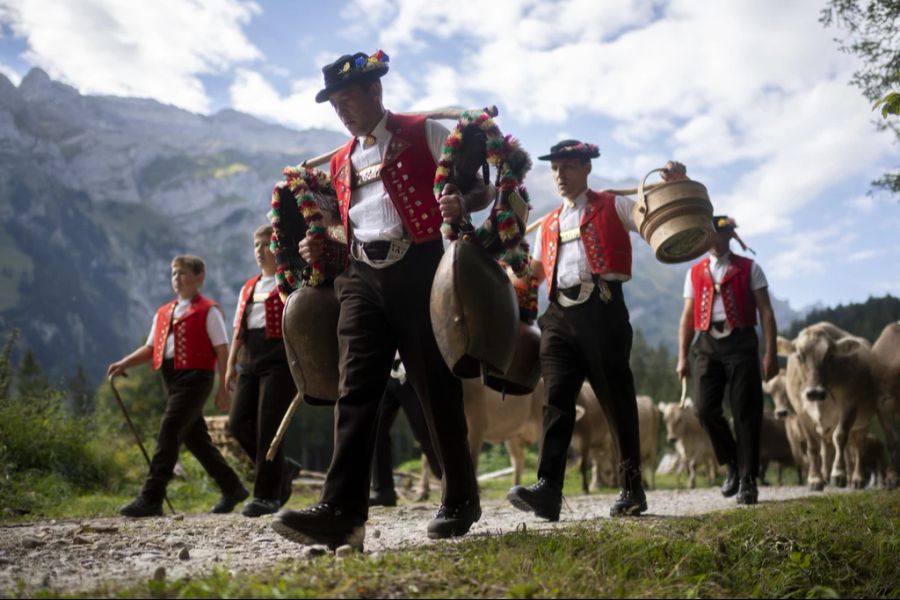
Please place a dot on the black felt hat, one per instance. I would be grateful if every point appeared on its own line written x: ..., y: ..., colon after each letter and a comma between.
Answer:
x: 356, y: 68
x: 571, y: 149
x: 724, y: 223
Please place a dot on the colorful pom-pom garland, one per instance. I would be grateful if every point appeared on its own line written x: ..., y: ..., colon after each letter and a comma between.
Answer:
x: 512, y: 163
x: 302, y: 182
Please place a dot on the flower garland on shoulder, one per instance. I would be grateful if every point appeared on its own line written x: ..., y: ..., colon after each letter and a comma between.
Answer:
x: 302, y: 182
x: 512, y: 163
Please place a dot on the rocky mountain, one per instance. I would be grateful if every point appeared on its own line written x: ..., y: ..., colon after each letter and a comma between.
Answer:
x: 98, y: 193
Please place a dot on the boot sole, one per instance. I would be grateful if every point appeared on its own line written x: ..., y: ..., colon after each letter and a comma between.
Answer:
x: 525, y: 507
x: 631, y: 511
x: 354, y: 538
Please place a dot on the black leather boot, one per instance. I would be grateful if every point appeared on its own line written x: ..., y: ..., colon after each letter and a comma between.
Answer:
x: 747, y: 493
x: 543, y: 498
x: 631, y: 502
x: 141, y: 507
x: 455, y: 520
x: 321, y: 523
x: 732, y: 481
x: 228, y: 501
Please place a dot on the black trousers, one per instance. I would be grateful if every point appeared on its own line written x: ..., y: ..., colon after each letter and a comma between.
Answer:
x: 265, y: 389
x: 399, y: 396
x: 182, y: 422
x: 382, y: 311
x: 730, y: 366
x: 591, y: 340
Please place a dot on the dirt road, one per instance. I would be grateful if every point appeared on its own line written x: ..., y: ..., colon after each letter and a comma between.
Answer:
x: 79, y: 555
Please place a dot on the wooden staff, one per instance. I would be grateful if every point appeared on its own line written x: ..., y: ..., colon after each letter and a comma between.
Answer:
x: 134, y: 431
x: 626, y: 192
x: 282, y: 429
x: 683, y: 391
x: 441, y: 113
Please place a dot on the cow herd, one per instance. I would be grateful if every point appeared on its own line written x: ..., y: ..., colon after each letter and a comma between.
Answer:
x: 834, y: 385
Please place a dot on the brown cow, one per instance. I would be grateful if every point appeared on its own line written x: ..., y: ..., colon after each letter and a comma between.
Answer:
x: 598, y: 452
x: 886, y: 362
x: 690, y: 440
x: 830, y: 378
x: 515, y: 420
x: 774, y: 446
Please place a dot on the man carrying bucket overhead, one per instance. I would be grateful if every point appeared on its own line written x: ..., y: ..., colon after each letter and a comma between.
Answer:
x: 583, y: 250
x: 722, y: 294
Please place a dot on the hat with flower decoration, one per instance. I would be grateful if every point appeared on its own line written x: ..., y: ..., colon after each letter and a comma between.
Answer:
x: 726, y: 224
x: 572, y: 149
x: 349, y: 69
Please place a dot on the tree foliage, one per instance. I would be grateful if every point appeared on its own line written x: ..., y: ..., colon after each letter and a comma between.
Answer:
x: 871, y: 31
x: 865, y: 319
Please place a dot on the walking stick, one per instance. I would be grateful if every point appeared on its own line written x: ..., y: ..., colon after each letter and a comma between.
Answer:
x: 683, y: 391
x: 137, y: 437
x: 282, y: 429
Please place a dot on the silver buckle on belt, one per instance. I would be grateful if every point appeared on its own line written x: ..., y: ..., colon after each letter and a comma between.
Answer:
x: 587, y: 288
x: 395, y: 253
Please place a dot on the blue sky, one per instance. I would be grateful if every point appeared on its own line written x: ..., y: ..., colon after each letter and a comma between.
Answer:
x: 752, y: 95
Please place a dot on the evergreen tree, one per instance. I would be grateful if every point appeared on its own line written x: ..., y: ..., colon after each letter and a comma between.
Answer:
x: 79, y: 394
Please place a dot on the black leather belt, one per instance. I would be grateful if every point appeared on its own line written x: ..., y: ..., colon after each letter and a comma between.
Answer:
x: 571, y: 292
x: 376, y: 250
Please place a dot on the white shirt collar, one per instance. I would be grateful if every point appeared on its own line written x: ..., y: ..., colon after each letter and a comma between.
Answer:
x: 579, y: 201
x: 721, y: 260
x: 380, y: 132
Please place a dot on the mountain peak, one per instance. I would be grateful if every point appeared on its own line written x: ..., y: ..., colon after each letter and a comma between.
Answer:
x: 35, y: 79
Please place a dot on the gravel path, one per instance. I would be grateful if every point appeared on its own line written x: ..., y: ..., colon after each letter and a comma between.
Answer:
x: 79, y: 555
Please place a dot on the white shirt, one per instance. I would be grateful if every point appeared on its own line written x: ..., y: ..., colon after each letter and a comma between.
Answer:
x: 372, y: 214
x: 215, y: 327
x: 257, y: 317
x: 572, y: 266
x: 717, y: 268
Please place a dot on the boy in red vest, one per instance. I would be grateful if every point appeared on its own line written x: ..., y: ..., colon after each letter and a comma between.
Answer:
x: 265, y: 386
x: 187, y: 340
x: 584, y: 252
x: 722, y: 294
x: 383, y: 177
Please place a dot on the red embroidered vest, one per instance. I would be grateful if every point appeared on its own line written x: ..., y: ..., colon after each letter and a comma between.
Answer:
x: 737, y: 296
x: 605, y: 239
x: 274, y: 307
x: 193, y: 349
x: 407, y: 172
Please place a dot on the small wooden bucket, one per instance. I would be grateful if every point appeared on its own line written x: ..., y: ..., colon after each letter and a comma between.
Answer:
x: 675, y: 218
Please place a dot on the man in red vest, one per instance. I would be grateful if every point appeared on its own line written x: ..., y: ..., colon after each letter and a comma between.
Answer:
x: 584, y: 252
x: 187, y: 341
x: 722, y: 294
x: 264, y: 388
x: 383, y: 177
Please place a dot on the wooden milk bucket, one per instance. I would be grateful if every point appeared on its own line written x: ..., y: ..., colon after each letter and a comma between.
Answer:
x: 675, y: 218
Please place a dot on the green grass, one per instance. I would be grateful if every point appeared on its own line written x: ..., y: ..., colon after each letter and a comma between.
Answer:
x: 832, y: 546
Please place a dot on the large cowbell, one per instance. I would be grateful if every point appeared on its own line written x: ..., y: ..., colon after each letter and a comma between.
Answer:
x: 474, y: 312
x: 309, y: 327
x: 525, y: 369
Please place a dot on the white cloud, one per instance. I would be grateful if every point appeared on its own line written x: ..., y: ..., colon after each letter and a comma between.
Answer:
x: 149, y: 49
x: 755, y: 87
x: 11, y: 74
x: 252, y: 93
x: 804, y: 254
